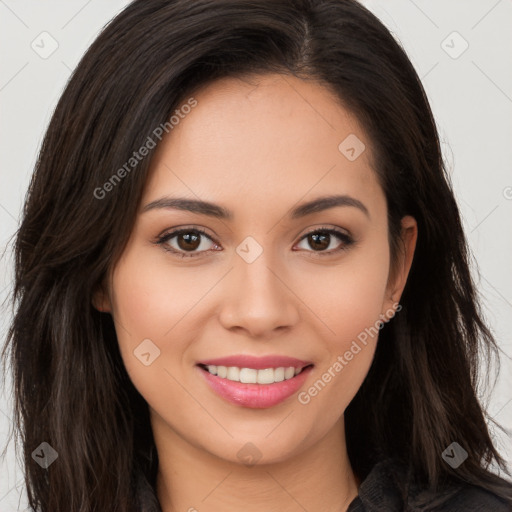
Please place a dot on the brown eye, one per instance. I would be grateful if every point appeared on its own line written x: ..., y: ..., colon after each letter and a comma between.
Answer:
x: 319, y: 241
x: 323, y: 239
x: 186, y: 242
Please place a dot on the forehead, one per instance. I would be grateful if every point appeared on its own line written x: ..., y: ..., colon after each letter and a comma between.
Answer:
x: 265, y: 138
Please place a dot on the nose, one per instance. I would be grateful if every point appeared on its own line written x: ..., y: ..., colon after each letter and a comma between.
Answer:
x: 258, y: 299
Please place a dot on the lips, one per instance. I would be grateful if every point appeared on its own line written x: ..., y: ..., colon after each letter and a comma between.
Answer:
x: 255, y: 395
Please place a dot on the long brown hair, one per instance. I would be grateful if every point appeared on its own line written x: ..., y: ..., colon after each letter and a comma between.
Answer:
x: 71, y: 389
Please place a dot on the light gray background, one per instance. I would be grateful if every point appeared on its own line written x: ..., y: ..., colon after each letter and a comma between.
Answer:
x: 471, y: 97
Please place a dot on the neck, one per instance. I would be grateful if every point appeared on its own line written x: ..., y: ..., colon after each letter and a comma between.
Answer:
x: 191, y: 480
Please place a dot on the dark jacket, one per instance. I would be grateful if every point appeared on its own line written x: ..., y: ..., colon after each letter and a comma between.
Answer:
x: 382, y: 491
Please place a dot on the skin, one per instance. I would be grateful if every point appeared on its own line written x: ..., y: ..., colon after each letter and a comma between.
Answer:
x: 259, y: 148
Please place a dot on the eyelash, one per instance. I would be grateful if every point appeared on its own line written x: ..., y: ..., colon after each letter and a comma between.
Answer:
x: 346, y: 240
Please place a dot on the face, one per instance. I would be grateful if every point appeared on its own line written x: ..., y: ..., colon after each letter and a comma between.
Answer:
x: 258, y: 275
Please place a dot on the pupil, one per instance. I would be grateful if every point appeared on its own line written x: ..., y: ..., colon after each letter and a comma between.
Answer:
x: 191, y: 241
x: 322, y: 239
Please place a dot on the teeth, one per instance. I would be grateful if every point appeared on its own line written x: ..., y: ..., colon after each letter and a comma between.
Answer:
x: 279, y: 374
x: 248, y: 376
x: 233, y: 373
x: 289, y: 373
x: 252, y: 376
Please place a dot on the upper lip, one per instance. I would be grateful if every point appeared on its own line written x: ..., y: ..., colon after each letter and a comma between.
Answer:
x: 257, y: 363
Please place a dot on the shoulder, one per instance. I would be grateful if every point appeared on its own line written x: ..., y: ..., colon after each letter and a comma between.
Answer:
x: 385, y: 489
x: 467, y: 498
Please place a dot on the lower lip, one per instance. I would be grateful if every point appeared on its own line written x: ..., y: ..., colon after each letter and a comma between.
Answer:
x: 256, y: 396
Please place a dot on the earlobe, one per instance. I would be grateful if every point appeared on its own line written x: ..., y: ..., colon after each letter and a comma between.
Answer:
x: 100, y: 300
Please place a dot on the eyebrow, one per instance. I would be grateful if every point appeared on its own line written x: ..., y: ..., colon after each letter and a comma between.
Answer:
x: 217, y: 211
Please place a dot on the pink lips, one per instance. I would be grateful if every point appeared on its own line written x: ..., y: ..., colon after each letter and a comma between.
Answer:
x: 256, y: 396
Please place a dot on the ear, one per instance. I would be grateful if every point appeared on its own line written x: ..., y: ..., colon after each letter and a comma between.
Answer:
x: 101, y: 299
x: 401, y: 268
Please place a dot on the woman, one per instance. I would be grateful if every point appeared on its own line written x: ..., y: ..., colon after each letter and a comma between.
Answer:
x: 241, y: 276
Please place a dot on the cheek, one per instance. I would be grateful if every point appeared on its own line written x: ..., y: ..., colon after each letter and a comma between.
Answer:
x: 149, y: 305
x: 336, y: 383
x: 349, y: 311
x: 151, y: 299
x: 161, y: 302
x: 349, y: 297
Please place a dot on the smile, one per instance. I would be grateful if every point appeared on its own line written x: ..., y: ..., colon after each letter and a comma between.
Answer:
x: 254, y: 388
